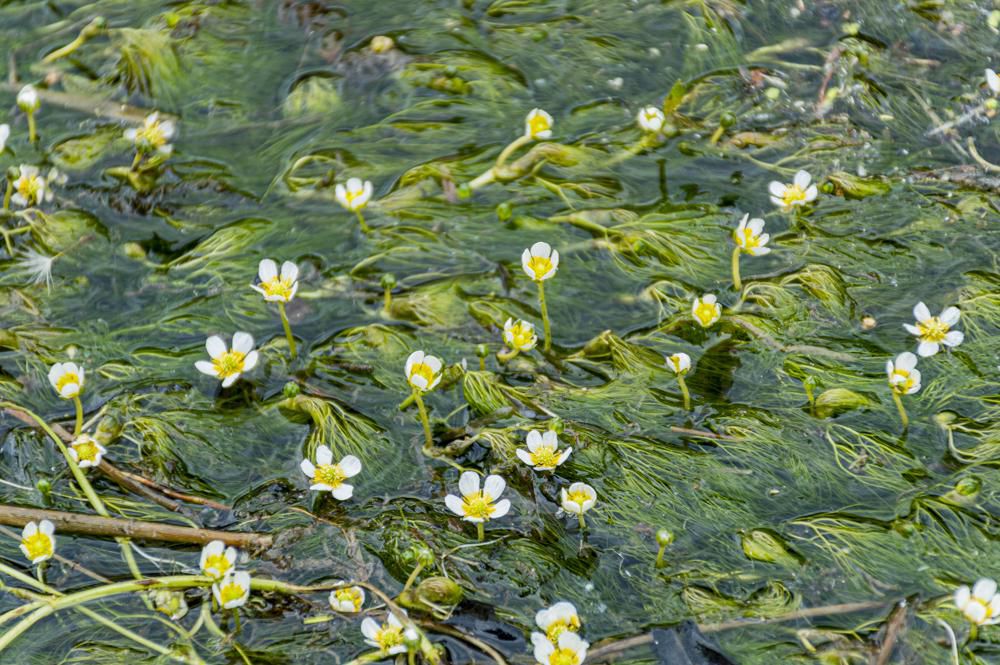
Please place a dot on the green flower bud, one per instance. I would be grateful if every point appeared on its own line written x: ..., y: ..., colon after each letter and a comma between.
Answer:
x: 664, y: 537
x: 504, y: 211
x: 291, y: 389
x: 482, y: 350
x: 388, y: 281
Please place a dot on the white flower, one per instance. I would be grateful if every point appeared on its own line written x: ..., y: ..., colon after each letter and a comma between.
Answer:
x: 30, y: 187
x: 225, y: 364
x: 580, y: 498
x: 348, y: 599
x: 232, y: 590
x: 799, y: 193
x: 556, y: 620
x: 86, y: 451
x: 275, y: 287
x: 475, y: 505
x: 651, y: 119
x: 330, y: 477
x: 750, y: 238
x: 570, y: 649
x: 543, y: 452
x: 38, y: 541
x: 355, y: 196
x: 934, y: 331
x: 904, y: 378
x: 67, y: 379
x: 993, y: 81
x: 27, y: 99
x: 540, y: 261
x: 4, y: 135
x: 981, y: 605
x: 706, y: 310
x: 387, y: 637
x: 153, y: 135
x: 423, y: 371
x: 519, y: 335
x: 679, y: 362
x: 538, y: 125
x: 217, y: 560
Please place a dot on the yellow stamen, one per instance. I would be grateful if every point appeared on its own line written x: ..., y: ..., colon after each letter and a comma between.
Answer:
x: 424, y: 370
x: 389, y: 637
x: 86, y: 450
x: 65, y: 380
x: 538, y: 124
x: 748, y: 240
x: 545, y: 456
x: 793, y: 194
x: 151, y: 135
x: 521, y: 335
x: 705, y: 313
x: 350, y: 595
x: 933, y: 330
x: 230, y: 592
x: 560, y: 627
x: 540, y: 265
x: 279, y: 287
x: 903, y: 383
x: 38, y: 545
x: 564, y: 657
x: 218, y: 563
x: 330, y: 474
x: 229, y: 363
x: 29, y: 188
x: 478, y: 505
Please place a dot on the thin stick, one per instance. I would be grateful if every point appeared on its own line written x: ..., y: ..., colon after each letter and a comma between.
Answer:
x: 94, y: 525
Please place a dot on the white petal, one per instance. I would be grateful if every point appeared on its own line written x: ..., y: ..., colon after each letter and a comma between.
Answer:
x: 951, y: 315
x: 756, y: 226
x: 983, y: 589
x: 215, y: 346
x: 802, y: 179
x: 230, y: 380
x: 534, y: 440
x: 494, y: 486
x: 206, y: 367
x: 778, y: 202
x: 524, y: 456
x: 415, y: 358
x: 308, y: 468
x: 420, y: 382
x: 324, y: 456
x: 975, y: 612
x: 913, y: 330
x: 343, y: 492
x: 962, y: 596
x: 954, y: 338
x: 350, y: 465
x: 468, y: 483
x: 541, y: 249
x: 289, y: 271
x: 242, y: 342
x: 550, y: 439
x: 927, y: 349
x: 433, y: 362
x: 341, y: 195
x: 267, y: 270
x: 906, y: 361
x: 920, y: 312
x: 777, y: 190
x: 455, y: 504
x: 70, y: 390
x: 250, y: 361
x: 48, y: 528
x: 811, y: 193
x: 369, y: 628
x: 501, y: 508
x: 30, y: 529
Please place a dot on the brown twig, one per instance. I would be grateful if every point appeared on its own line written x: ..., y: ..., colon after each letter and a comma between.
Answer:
x: 94, y: 525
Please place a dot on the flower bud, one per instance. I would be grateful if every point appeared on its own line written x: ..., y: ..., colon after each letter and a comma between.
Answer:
x: 664, y: 537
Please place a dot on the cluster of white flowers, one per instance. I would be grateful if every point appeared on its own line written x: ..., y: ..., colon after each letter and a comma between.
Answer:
x: 559, y: 642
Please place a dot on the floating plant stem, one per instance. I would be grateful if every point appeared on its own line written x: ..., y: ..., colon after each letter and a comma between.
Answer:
x: 8, y: 192
x: 78, y: 428
x: 902, y: 410
x: 512, y: 147
x: 361, y: 220
x: 685, y: 393
x: 737, y: 283
x: 546, y: 327
x: 480, y: 531
x: 32, y: 129
x: 424, y: 420
x: 90, y: 30
x: 288, y: 330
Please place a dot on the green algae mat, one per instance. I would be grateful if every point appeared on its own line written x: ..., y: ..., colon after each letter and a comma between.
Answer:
x: 511, y: 331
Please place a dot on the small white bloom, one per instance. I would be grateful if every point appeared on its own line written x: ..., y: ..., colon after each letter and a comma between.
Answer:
x: 651, y: 119
x: 706, y: 310
x: 540, y: 261
x: 993, y: 81
x: 330, y: 477
x: 679, y: 362
x: 580, y: 498
x: 217, y: 560
x: 934, y: 331
x: 29, y: 187
x: 154, y: 135
x: 67, y: 379
x: 519, y: 335
x: 27, y: 99
x: 556, y: 620
x: 4, y: 135
x: 750, y: 238
x: 799, y: 193
x: 981, y: 604
x: 36, y: 266
x: 538, y: 125
x: 423, y: 371
x: 227, y: 364
x: 904, y: 378
x: 355, y: 195
x: 86, y: 451
x: 232, y: 590
x: 543, y: 452
x: 38, y: 541
x: 476, y: 505
x: 387, y: 637
x: 570, y: 649
x: 348, y: 599
x: 275, y: 287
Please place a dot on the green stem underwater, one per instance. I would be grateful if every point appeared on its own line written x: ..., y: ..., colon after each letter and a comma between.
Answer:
x: 480, y: 531
x: 32, y: 129
x: 424, y: 420
x: 509, y: 150
x: 9, y: 192
x: 136, y: 160
x: 504, y: 356
x: 737, y: 283
x: 583, y: 522
x: 902, y: 410
x: 545, y: 316
x: 660, y: 563
x: 682, y: 384
x: 361, y: 220
x: 288, y: 329
x: 78, y: 428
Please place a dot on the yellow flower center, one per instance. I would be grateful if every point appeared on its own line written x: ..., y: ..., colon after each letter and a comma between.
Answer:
x: 651, y: 116
x: 350, y: 595
x: 545, y: 456
x: 933, y: 330
x: 521, y: 335
x: 151, y: 135
x: 538, y: 124
x: 229, y: 363
x: 29, y: 187
x: 389, y: 637
x: 65, y: 380
x: 748, y: 239
x: 230, y: 592
x: 560, y: 627
x: 905, y: 384
x: 330, y: 474
x: 352, y: 194
x: 564, y: 657
x: 218, y: 563
x: 982, y: 603
x: 540, y: 265
x: 279, y: 287
x: 578, y: 497
x: 38, y: 545
x: 793, y: 194
x: 478, y: 505
x: 676, y: 362
x: 424, y: 370
x: 705, y: 312
x: 86, y: 450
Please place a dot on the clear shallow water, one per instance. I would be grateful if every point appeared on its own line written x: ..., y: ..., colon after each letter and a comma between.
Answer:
x: 141, y: 278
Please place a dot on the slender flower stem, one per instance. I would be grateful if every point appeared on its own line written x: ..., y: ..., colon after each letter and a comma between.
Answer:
x: 659, y: 556
x: 428, y: 437
x: 545, y: 316
x: 511, y: 148
x: 583, y: 522
x: 236, y: 618
x: 387, y: 299
x: 40, y: 572
x: 9, y: 192
x: 504, y: 356
x: 682, y: 384
x: 480, y: 530
x: 361, y: 220
x: 482, y: 364
x: 288, y: 329
x: 78, y: 428
x: 902, y: 411
x: 136, y: 160
x: 412, y: 578
x: 737, y: 283
x: 32, y: 131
